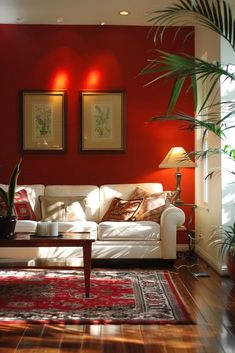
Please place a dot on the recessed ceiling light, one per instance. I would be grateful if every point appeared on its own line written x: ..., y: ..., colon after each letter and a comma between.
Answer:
x: 59, y: 19
x: 124, y: 13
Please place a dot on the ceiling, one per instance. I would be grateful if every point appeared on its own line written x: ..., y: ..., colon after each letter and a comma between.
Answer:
x: 78, y: 12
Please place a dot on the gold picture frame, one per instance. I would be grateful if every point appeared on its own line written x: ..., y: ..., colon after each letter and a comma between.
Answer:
x: 43, y: 121
x: 102, y: 121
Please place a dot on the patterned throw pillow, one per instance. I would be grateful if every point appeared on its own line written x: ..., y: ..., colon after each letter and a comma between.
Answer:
x: 22, y: 206
x: 63, y: 208
x: 171, y: 196
x: 153, y: 204
x: 122, y: 210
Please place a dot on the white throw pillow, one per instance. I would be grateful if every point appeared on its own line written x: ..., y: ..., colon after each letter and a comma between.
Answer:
x: 63, y: 208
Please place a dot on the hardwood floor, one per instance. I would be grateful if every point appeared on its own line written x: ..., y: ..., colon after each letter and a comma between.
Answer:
x: 211, y: 301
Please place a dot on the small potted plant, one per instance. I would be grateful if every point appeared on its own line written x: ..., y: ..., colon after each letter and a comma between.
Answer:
x: 225, y: 238
x: 7, y: 216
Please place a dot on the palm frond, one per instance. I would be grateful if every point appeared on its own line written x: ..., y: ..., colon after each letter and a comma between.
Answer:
x: 179, y: 67
x: 212, y: 14
x: 194, y: 123
x: 224, y: 237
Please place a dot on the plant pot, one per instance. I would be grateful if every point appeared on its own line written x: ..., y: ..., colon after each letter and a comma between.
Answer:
x: 231, y: 265
x: 7, y: 226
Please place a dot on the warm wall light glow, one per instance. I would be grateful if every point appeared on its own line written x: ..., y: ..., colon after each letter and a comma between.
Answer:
x: 61, y: 80
x: 93, y: 79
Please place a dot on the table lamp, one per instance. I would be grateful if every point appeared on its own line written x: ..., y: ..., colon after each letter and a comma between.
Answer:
x: 177, y: 158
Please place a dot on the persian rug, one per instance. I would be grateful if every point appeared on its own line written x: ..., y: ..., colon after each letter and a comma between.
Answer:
x: 116, y: 297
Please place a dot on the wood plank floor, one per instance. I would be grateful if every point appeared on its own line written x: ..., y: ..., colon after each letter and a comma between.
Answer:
x: 211, y: 301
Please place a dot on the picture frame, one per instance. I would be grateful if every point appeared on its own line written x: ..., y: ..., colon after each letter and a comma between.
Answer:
x: 102, y: 121
x: 43, y: 121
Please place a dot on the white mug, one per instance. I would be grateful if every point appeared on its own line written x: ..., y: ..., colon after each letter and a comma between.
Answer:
x: 53, y: 229
x: 42, y: 228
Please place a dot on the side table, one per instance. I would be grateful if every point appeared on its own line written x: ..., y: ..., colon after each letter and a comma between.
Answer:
x: 188, y: 226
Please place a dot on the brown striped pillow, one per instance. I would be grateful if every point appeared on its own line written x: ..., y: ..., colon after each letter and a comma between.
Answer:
x: 122, y: 210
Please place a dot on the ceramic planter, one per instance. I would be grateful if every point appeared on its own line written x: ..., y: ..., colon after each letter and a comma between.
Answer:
x: 7, y: 226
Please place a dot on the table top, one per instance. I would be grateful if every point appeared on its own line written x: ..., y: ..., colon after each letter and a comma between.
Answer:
x: 23, y: 239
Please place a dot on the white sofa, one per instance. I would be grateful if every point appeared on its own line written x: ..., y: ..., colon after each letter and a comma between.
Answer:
x: 114, y: 240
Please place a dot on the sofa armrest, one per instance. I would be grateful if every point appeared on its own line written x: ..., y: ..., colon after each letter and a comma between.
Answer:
x: 172, y: 218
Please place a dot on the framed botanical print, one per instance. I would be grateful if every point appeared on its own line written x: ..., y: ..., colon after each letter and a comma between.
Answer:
x: 102, y: 121
x: 43, y: 121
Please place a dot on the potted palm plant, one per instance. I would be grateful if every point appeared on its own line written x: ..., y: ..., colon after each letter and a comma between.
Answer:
x: 7, y: 217
x: 183, y: 70
x: 225, y: 238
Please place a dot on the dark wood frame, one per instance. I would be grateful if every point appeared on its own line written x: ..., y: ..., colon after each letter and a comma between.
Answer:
x: 114, y: 101
x: 30, y: 139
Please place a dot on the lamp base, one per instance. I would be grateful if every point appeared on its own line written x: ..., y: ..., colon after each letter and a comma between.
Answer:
x: 178, y: 202
x: 178, y: 187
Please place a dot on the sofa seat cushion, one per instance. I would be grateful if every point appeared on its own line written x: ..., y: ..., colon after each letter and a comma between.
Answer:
x: 78, y: 226
x: 142, y: 231
x: 26, y: 226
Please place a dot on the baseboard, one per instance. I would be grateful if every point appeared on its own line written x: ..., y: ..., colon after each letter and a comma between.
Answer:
x: 221, y: 270
x: 182, y: 247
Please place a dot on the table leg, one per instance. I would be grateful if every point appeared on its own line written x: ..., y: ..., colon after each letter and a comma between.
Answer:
x: 87, y: 267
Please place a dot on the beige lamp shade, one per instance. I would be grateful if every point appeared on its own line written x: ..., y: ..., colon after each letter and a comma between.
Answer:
x: 177, y: 158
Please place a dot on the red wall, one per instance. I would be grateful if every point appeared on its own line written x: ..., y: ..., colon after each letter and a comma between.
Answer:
x: 69, y: 57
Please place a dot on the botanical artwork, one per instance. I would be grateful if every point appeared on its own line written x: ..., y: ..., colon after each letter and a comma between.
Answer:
x: 101, y: 115
x: 43, y: 120
x: 102, y: 121
x: 42, y: 117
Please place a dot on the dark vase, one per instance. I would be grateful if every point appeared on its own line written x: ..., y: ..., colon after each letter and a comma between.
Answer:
x: 7, y: 226
x: 231, y: 265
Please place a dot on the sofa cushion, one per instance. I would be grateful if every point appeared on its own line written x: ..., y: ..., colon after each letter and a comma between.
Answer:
x: 122, y: 210
x: 122, y: 191
x: 153, y: 204
x: 91, y: 192
x: 129, y: 231
x: 169, y: 195
x: 22, y: 206
x: 63, y: 208
x: 26, y: 226
x: 78, y: 226
x: 33, y: 191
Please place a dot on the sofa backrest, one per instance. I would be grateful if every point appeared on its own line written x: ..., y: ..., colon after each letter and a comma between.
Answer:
x: 33, y: 191
x: 123, y: 191
x: 91, y: 192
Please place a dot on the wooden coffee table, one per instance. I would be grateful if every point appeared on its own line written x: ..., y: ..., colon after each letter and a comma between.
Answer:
x: 81, y: 239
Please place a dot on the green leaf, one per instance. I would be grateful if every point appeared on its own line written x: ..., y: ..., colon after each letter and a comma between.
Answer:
x: 207, y: 13
x: 175, y: 93
x: 177, y: 67
x: 8, y: 197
